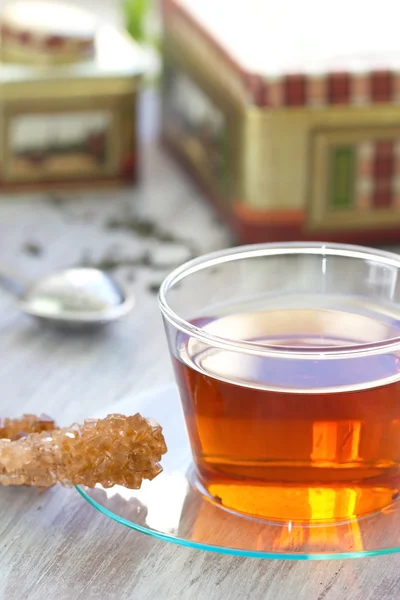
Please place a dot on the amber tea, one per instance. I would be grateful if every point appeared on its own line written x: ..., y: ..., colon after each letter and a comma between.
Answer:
x: 292, y: 401
x: 327, y: 447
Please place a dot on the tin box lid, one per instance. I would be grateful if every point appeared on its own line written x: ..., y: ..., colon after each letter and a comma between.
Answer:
x: 278, y: 37
x: 98, y: 50
x: 43, y: 32
x: 44, y: 18
x: 291, y: 53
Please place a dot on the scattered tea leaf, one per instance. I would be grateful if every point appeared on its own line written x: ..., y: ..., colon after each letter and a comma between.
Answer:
x: 33, y: 248
x: 154, y: 288
x: 166, y: 237
x: 147, y: 229
x: 110, y: 263
x: 142, y: 227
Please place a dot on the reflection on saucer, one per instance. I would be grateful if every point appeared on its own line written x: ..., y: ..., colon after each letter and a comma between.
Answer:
x: 214, y: 525
x: 157, y: 505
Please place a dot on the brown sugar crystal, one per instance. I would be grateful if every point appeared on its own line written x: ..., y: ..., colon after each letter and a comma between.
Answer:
x: 117, y: 450
x: 14, y: 429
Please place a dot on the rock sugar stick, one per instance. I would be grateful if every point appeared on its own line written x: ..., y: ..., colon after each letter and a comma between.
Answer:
x: 117, y: 450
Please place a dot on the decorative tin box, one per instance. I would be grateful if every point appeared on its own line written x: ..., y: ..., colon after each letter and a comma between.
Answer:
x: 288, y: 114
x: 67, y: 96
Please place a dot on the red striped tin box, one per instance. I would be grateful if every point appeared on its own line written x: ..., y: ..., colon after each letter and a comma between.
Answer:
x: 288, y: 114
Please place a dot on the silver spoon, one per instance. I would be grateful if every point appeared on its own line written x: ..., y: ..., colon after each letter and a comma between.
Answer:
x: 75, y: 298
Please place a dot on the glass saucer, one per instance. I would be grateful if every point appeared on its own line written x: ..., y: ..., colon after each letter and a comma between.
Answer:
x: 172, y: 507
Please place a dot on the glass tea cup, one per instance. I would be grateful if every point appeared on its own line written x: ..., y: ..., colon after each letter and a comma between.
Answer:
x: 287, y: 359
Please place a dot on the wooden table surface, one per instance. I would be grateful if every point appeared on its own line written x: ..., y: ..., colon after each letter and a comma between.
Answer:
x: 53, y: 544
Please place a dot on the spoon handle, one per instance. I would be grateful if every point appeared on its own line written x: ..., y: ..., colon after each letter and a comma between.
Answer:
x: 10, y: 285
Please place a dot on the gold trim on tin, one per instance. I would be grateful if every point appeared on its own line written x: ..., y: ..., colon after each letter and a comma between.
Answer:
x: 320, y: 215
x: 235, y: 123
x: 115, y: 137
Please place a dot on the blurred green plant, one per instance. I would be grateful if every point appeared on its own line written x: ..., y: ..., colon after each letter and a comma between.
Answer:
x: 138, y: 15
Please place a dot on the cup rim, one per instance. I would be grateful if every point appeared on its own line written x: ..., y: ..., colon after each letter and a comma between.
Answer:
x: 272, y: 249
